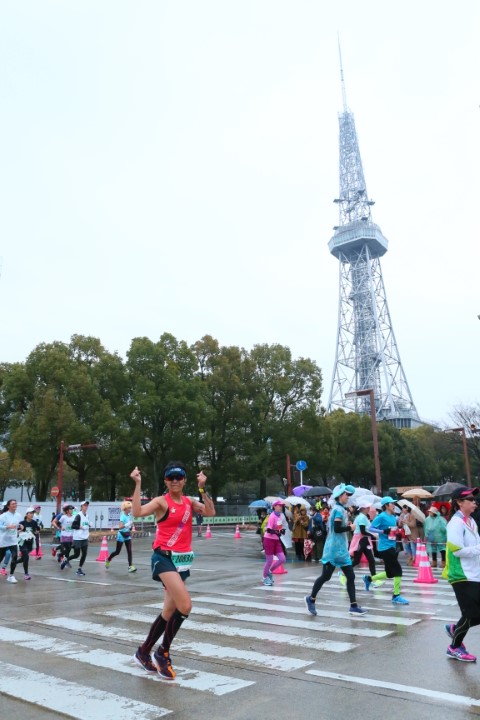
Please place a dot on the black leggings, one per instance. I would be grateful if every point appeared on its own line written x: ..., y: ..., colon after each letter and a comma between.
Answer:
x: 118, y: 550
x: 328, y: 570
x: 14, y: 560
x: 65, y: 548
x: 468, y: 598
x: 363, y: 549
x: 392, y: 566
x: 25, y: 551
x: 82, y: 552
x: 461, y: 629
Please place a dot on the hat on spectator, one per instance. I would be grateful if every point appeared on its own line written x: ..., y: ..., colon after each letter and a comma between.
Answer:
x: 433, y: 510
x: 463, y: 492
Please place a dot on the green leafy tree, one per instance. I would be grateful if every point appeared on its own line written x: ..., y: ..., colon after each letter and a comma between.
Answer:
x: 279, y: 388
x: 13, y: 473
x: 165, y: 404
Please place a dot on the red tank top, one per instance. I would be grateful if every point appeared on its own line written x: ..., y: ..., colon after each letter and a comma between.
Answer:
x: 175, y: 532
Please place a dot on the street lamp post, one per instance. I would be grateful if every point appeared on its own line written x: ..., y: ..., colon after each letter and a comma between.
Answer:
x: 63, y: 449
x: 373, y: 416
x: 461, y: 430
x: 289, y: 476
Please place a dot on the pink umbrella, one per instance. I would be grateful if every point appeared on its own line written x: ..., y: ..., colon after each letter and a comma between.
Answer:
x: 300, y: 489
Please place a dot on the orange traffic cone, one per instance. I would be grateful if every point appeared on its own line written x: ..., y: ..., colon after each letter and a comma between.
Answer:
x: 208, y: 534
x: 425, y: 574
x: 39, y: 554
x: 237, y: 532
x: 280, y: 570
x: 103, y: 554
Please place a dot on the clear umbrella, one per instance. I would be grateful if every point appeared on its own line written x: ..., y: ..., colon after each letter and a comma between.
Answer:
x: 416, y: 512
x: 293, y: 500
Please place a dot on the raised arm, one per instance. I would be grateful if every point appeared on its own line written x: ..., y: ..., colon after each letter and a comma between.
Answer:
x: 157, y: 506
x: 207, y: 508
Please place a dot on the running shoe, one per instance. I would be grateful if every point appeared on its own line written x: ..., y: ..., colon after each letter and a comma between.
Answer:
x: 63, y: 565
x: 145, y: 661
x: 342, y: 578
x: 11, y: 579
x: 164, y: 665
x: 132, y: 568
x: 79, y: 572
x: 27, y: 577
x: 3, y: 571
x: 400, y: 600
x: 38, y: 557
x: 368, y: 581
x: 357, y: 610
x: 107, y: 563
x: 459, y: 654
x: 450, y: 630
x: 310, y: 605
x: 270, y: 576
x: 54, y: 552
x: 267, y: 581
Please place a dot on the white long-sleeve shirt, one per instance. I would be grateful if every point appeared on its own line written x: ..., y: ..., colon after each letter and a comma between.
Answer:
x: 8, y: 536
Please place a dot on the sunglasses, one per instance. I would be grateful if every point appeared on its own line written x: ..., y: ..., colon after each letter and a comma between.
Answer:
x: 175, y: 476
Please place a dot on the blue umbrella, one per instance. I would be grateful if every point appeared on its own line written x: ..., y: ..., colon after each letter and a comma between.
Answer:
x: 258, y: 504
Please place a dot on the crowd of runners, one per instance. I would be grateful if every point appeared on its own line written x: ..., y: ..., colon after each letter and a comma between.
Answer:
x: 375, y: 535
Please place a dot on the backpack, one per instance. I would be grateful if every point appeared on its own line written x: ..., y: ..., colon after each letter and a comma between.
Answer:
x: 317, y: 529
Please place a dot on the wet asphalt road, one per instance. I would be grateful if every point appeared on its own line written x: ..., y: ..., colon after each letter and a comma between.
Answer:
x: 245, y: 652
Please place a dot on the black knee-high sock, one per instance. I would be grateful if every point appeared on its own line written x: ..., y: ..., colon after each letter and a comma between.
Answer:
x: 173, y: 626
x: 155, y: 633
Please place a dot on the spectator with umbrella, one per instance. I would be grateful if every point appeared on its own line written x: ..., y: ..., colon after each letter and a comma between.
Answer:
x: 317, y: 533
x: 299, y: 530
x: 436, y: 535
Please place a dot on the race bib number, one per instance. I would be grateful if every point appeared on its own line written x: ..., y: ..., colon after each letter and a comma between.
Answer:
x: 183, y: 561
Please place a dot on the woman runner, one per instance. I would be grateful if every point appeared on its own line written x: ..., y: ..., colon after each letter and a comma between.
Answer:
x: 463, y: 570
x: 271, y: 541
x: 335, y: 553
x: 385, y: 526
x: 124, y: 536
x: 171, y: 559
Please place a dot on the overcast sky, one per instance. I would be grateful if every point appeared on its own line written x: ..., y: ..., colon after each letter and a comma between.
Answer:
x: 170, y: 167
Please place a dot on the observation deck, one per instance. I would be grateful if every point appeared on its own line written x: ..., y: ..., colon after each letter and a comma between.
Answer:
x: 354, y: 235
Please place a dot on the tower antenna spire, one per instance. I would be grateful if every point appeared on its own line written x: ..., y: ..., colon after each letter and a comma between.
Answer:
x: 344, y: 94
x: 367, y: 356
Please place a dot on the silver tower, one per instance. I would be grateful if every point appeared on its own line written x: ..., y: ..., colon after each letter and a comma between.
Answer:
x: 367, y: 354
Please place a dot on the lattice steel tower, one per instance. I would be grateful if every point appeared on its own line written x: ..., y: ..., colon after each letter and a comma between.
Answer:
x: 367, y: 354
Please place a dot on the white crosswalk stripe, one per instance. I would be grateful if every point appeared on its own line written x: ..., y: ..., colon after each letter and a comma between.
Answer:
x: 67, y: 697
x: 233, y: 631
x: 186, y: 677
x: 298, y: 610
x: 276, y: 662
